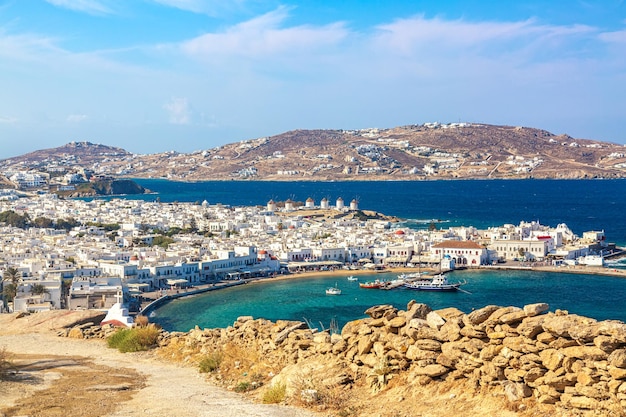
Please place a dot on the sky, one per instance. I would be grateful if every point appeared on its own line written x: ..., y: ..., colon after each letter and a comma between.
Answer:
x: 185, y: 75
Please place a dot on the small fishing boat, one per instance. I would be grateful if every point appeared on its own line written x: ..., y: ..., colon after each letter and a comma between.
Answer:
x: 352, y: 278
x: 333, y: 290
x: 371, y: 284
x: 436, y: 283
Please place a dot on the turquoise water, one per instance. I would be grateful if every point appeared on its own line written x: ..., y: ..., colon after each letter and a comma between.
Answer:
x: 305, y: 299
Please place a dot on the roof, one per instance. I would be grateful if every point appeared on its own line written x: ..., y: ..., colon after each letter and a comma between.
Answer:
x: 458, y: 244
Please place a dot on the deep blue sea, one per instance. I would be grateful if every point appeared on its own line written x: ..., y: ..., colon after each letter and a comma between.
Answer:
x: 582, y: 204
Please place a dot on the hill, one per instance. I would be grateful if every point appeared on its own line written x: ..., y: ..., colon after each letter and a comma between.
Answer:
x: 429, y: 151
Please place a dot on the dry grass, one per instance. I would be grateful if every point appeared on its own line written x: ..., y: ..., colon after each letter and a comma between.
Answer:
x: 142, y: 321
x: 275, y: 394
x: 310, y: 390
x: 6, y: 365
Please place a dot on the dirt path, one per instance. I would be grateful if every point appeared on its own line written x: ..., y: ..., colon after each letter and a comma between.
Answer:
x: 66, y: 377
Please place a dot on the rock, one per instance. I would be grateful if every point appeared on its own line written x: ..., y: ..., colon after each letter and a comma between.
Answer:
x: 560, y: 324
x: 516, y: 391
x: 531, y: 327
x: 576, y: 401
x: 551, y: 358
x: 417, y: 311
x: 479, y: 316
x: 397, y: 322
x: 532, y: 310
x: 431, y: 371
x: 379, y: 311
x: 513, y: 317
x: 280, y: 337
x: 76, y: 333
x: 434, y: 320
x: 618, y: 358
x: 585, y: 352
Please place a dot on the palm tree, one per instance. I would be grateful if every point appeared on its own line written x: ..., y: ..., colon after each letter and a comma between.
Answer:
x: 10, y: 281
x: 39, y: 289
x: 13, y: 275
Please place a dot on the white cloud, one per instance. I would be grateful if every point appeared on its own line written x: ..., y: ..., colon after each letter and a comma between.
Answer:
x: 618, y: 37
x: 208, y: 7
x: 76, y: 118
x: 179, y: 111
x: 96, y: 7
x: 7, y: 120
x: 263, y: 37
x: 420, y: 35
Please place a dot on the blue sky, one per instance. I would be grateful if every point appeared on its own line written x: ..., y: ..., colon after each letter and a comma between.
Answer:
x: 185, y: 75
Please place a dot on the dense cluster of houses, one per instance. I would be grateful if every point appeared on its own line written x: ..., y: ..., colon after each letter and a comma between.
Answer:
x: 95, y: 265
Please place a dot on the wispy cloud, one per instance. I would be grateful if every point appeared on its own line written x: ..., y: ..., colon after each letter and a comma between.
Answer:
x: 179, y: 111
x: 8, y: 120
x: 76, y: 118
x: 95, y: 7
x: 264, y: 37
x: 208, y: 7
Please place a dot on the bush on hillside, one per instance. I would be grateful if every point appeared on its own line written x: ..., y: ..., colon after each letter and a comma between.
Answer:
x: 6, y: 366
x: 135, y: 339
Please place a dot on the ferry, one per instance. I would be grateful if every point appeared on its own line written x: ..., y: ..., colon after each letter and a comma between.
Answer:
x: 435, y: 283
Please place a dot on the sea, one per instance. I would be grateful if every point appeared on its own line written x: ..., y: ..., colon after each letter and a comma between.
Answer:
x: 583, y: 205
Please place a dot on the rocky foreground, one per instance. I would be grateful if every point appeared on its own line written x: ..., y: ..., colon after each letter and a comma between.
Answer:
x: 507, y: 360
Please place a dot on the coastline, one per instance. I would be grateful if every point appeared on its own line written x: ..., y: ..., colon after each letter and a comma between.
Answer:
x: 152, y: 300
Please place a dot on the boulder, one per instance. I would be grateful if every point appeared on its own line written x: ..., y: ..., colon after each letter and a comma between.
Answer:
x: 532, y: 310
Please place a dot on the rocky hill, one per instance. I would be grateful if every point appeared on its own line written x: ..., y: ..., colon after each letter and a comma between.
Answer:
x: 524, y: 360
x: 429, y: 151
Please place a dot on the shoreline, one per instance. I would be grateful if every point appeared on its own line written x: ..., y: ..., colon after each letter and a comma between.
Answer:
x: 151, y: 300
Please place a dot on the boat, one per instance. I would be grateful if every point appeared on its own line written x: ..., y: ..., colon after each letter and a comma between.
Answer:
x: 117, y: 316
x: 371, y: 284
x: 436, y: 283
x: 352, y: 278
x: 333, y: 290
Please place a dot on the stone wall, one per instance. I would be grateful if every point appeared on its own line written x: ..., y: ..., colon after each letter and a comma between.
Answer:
x: 557, y: 358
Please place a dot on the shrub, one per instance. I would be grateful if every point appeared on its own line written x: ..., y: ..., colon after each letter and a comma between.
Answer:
x: 275, y: 394
x: 6, y: 366
x: 210, y: 362
x: 243, y: 387
x: 135, y: 339
x: 141, y: 321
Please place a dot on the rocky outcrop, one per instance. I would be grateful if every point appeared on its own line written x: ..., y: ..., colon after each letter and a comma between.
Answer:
x: 570, y: 361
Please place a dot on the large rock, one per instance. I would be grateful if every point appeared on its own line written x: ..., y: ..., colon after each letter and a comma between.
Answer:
x: 560, y: 325
x: 532, y: 310
x: 432, y: 371
x: 618, y: 358
x: 435, y: 321
x: 380, y: 311
x: 477, y: 317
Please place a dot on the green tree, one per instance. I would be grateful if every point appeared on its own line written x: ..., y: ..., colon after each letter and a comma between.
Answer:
x: 43, y: 222
x: 14, y: 219
x: 9, y: 291
x: 12, y: 275
x: 38, y: 289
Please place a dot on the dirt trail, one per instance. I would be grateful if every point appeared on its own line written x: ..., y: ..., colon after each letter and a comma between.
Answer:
x: 67, y: 377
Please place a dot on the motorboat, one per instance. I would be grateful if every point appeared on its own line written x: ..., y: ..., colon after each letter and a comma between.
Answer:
x: 436, y: 283
x: 371, y: 284
x: 333, y: 290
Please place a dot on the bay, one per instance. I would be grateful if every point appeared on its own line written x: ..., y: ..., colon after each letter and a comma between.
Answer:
x: 581, y: 204
x: 600, y: 297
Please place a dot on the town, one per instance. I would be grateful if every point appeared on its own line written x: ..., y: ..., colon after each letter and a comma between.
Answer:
x: 60, y: 253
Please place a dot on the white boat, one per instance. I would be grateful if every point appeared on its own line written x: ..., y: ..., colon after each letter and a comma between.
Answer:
x: 333, y: 291
x: 352, y: 278
x: 435, y: 283
x: 118, y: 316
